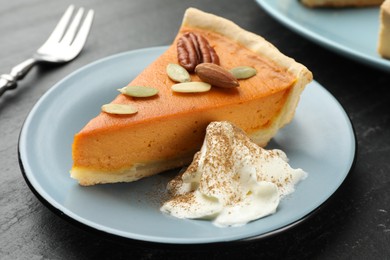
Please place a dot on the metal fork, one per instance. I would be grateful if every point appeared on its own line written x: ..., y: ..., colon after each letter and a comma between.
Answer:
x: 63, y: 45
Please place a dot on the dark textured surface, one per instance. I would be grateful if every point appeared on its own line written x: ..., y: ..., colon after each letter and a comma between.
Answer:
x: 353, y: 224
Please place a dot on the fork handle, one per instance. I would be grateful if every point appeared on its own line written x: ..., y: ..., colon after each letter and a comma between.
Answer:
x: 9, y: 81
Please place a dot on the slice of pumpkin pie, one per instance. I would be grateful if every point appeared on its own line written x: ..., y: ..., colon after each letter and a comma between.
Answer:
x: 165, y: 130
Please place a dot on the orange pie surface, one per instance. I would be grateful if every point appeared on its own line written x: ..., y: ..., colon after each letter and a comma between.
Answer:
x: 169, y: 128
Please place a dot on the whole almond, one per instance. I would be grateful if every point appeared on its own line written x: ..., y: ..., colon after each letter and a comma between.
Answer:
x: 216, y: 75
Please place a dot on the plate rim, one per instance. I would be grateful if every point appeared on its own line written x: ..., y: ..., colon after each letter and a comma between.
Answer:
x: 116, y: 237
x: 376, y: 62
x: 54, y: 207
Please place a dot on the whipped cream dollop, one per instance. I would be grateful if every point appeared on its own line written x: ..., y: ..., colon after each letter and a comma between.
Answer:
x: 231, y: 180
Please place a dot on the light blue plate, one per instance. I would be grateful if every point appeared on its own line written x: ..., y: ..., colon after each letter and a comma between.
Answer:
x: 352, y: 32
x: 320, y: 140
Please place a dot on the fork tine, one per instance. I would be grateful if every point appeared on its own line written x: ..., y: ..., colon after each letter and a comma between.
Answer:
x: 82, y: 35
x: 71, y: 32
x: 59, y: 30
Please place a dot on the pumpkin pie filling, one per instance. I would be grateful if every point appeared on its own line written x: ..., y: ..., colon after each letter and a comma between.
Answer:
x: 170, y: 127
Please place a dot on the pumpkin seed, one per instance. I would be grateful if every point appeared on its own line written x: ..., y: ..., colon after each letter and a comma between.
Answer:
x: 243, y: 72
x: 191, y: 87
x: 177, y: 73
x: 119, y: 109
x: 138, y: 91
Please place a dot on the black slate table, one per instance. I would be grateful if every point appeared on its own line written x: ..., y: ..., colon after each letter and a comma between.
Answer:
x: 353, y: 224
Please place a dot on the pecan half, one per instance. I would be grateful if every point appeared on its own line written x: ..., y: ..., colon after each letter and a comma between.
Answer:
x: 193, y: 49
